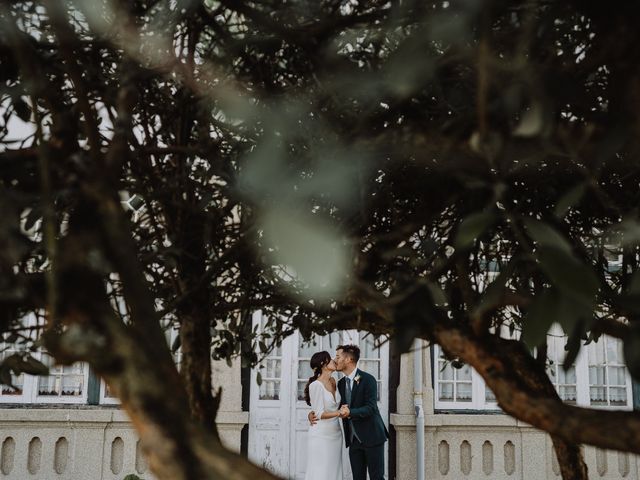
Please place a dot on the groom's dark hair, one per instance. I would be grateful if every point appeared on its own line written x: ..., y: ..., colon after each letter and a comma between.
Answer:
x: 352, y: 351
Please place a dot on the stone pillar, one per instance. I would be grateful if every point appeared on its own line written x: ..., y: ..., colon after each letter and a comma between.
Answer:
x: 230, y: 419
x: 534, y: 450
x: 404, y: 419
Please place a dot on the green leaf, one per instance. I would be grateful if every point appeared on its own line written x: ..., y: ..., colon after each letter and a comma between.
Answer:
x: 546, y: 236
x: 571, y: 276
x: 539, y: 318
x: 626, y: 233
x: 551, y: 306
x: 33, y: 366
x: 23, y: 110
x: 309, y: 251
x: 472, y: 228
x: 573, y: 345
x: 531, y: 122
x: 259, y: 378
x: 569, y: 199
x: 5, y: 375
x: 495, y: 290
x: 631, y: 351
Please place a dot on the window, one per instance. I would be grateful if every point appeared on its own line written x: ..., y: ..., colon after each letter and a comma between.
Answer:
x: 270, y: 370
x: 370, y: 360
x: 64, y: 384
x: 598, y: 378
x: 63, y: 381
x: 608, y: 379
x: 459, y: 388
x: 107, y: 397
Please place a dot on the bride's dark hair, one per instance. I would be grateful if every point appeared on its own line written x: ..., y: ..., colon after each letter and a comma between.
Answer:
x: 318, y: 360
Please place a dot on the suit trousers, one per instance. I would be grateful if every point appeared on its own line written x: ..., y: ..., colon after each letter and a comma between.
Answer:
x: 366, y: 458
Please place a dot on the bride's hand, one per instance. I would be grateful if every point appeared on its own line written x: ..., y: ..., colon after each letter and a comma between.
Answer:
x: 312, y: 418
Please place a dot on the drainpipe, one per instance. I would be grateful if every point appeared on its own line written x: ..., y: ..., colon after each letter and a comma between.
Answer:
x: 417, y: 404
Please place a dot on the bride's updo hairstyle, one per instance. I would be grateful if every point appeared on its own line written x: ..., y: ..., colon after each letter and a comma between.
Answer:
x: 318, y: 360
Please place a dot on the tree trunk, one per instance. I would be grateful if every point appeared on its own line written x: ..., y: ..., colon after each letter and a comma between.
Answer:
x: 195, y: 368
x: 570, y: 459
x: 194, y: 313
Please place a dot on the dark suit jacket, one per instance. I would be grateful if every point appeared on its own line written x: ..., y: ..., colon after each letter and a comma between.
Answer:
x: 365, y: 415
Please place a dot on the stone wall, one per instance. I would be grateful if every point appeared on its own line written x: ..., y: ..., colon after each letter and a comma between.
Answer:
x: 95, y: 442
x: 484, y: 446
x: 79, y: 444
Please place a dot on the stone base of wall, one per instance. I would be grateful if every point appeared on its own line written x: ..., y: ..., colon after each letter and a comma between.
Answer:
x: 496, y: 447
x: 78, y: 444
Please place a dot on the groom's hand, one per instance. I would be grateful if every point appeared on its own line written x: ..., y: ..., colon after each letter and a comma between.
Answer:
x: 344, y: 411
x: 312, y: 418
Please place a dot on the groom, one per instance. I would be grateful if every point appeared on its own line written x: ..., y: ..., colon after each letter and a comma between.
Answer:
x: 364, y: 430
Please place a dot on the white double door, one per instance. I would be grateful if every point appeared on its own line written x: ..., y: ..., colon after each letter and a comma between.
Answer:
x: 278, y: 413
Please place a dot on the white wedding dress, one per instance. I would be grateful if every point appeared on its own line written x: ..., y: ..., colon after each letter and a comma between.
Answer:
x: 324, y: 439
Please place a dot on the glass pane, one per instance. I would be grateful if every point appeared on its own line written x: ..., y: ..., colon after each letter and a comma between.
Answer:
x: 568, y: 377
x: 270, y: 390
x: 371, y: 366
x: 614, y: 350
x: 597, y: 376
x: 596, y: 352
x: 49, y: 385
x: 618, y: 396
x: 330, y: 342
x: 463, y: 392
x: 446, y: 371
x: 301, y: 385
x: 552, y: 350
x: 598, y: 395
x: 446, y: 391
x: 617, y: 376
x: 306, y: 349
x: 304, y: 369
x: 489, y: 396
x: 367, y: 346
x: 464, y: 373
x: 107, y: 392
x: 272, y: 369
x: 76, y: 368
x: 568, y: 394
x: 72, y: 385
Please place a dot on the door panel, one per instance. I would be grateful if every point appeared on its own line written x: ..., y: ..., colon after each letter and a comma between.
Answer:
x: 278, y: 426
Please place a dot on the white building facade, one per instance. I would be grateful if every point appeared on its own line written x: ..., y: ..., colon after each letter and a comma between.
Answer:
x: 66, y: 426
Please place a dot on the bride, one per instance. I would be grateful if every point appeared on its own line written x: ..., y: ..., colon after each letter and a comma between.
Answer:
x: 324, y: 440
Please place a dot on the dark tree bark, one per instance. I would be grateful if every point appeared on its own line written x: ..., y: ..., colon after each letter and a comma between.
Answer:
x: 194, y: 315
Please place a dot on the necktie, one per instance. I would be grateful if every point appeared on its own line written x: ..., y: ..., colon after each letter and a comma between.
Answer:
x: 348, y: 392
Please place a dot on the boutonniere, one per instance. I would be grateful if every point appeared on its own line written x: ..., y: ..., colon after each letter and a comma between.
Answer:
x: 356, y: 379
